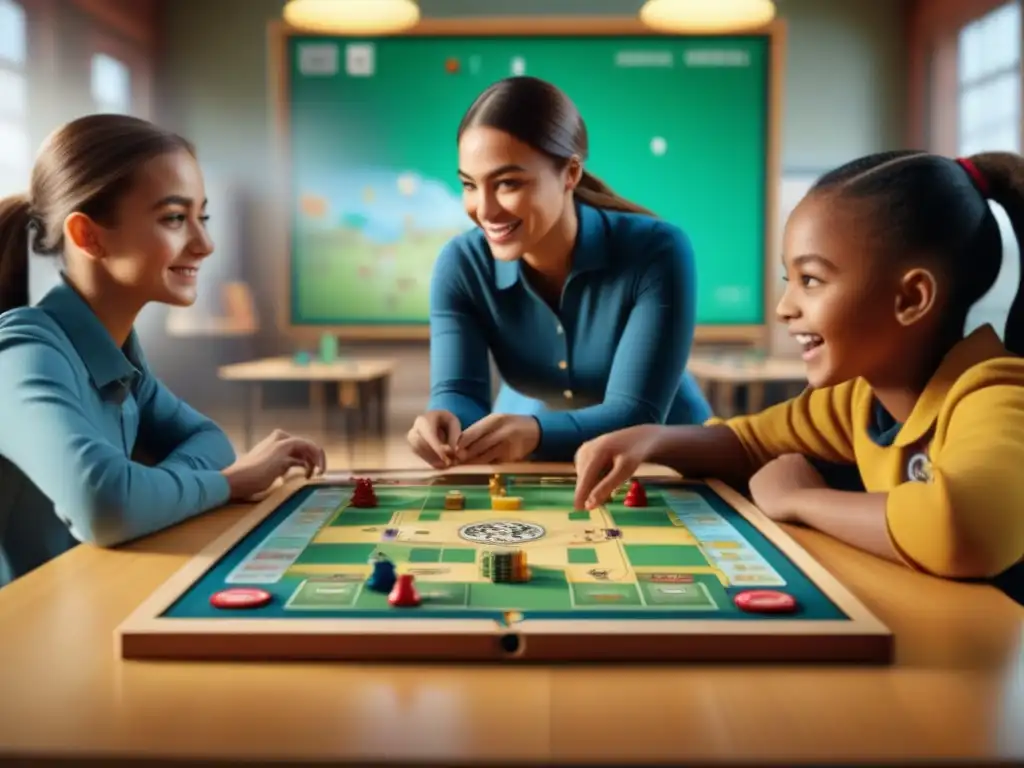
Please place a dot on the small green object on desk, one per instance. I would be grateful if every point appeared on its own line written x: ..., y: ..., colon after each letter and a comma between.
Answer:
x: 302, y: 358
x: 328, y: 348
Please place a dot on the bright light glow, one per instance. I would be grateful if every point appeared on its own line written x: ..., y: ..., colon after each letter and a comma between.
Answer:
x: 352, y: 17
x: 706, y: 16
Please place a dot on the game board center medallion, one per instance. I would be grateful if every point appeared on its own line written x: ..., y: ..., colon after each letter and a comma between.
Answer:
x: 501, y: 532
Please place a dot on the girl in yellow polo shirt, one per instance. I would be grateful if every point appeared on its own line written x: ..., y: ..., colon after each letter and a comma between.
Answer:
x: 884, y: 258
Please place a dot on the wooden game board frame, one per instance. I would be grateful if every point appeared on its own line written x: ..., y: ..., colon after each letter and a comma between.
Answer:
x: 862, y: 638
x: 279, y: 34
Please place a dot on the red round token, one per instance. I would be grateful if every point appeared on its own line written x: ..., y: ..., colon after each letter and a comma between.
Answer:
x: 765, y: 601
x: 240, y: 597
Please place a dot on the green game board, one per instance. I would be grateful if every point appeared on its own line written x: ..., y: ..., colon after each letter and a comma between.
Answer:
x: 685, y: 554
x: 666, y: 580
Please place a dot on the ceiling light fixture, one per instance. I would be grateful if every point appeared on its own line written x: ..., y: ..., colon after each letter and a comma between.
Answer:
x: 707, y: 16
x: 352, y: 17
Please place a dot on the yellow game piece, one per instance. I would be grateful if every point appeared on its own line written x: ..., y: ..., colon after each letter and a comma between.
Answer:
x: 506, y: 503
x: 496, y: 485
x: 454, y: 500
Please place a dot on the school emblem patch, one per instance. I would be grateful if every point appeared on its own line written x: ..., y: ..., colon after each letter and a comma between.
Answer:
x: 919, y: 468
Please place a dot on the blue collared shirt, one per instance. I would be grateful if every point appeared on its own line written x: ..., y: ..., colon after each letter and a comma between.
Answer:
x: 74, y: 408
x: 612, y: 355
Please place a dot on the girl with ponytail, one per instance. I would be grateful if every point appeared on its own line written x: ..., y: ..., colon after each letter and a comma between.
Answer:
x: 884, y: 259
x: 585, y: 300
x: 120, y: 202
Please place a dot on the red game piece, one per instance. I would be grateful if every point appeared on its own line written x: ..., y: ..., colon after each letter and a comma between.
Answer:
x: 404, y: 594
x: 364, y: 495
x: 240, y: 597
x: 636, y: 496
x: 765, y: 601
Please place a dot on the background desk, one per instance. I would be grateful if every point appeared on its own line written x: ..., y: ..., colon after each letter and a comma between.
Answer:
x: 956, y: 691
x: 362, y: 389
x: 723, y: 375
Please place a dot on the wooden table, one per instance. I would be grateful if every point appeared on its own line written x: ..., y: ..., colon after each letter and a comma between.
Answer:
x: 956, y: 692
x: 362, y: 388
x: 722, y: 374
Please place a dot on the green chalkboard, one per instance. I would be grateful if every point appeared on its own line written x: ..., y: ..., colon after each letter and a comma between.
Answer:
x: 678, y: 124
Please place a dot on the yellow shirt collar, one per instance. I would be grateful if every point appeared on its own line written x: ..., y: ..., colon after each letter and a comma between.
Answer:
x: 980, y: 345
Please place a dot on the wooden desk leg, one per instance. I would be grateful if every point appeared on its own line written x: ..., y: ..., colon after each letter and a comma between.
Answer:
x: 348, y: 399
x: 725, y: 399
x: 755, y: 397
x: 383, y: 384
x: 253, y: 403
x: 364, y: 407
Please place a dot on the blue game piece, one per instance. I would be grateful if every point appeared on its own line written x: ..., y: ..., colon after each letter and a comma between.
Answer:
x: 383, y: 577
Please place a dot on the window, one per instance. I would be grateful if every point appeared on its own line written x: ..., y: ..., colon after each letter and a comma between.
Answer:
x: 111, y: 84
x: 15, y: 149
x: 989, y: 120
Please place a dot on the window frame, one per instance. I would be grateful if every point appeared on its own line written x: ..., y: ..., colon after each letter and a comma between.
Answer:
x: 965, y: 87
x: 22, y: 123
x: 139, y: 67
x: 933, y: 50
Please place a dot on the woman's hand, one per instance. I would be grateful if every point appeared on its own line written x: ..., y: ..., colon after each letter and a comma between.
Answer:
x: 258, y: 470
x: 606, y: 462
x: 433, y: 437
x: 498, y: 438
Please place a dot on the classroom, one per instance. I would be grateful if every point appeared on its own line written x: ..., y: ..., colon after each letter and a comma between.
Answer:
x: 477, y: 376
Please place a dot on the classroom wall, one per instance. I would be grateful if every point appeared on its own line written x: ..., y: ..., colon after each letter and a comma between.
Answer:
x: 844, y: 95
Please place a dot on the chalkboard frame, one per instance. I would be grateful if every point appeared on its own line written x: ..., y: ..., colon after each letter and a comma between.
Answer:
x: 279, y: 34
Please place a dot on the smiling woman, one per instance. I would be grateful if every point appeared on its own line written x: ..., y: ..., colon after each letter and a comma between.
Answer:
x: 585, y: 300
x: 122, y: 204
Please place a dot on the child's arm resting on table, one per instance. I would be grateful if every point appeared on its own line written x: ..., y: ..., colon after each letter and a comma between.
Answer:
x: 176, y: 433
x: 105, y: 497
x: 967, y: 522
x: 816, y: 424
x: 649, y: 359
x: 856, y: 518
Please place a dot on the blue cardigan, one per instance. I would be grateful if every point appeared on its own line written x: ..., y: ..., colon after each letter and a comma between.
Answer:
x: 73, y: 408
x: 613, y: 355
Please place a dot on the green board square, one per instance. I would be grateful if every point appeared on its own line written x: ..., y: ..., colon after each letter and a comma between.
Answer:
x: 668, y: 595
x: 544, y: 496
x: 598, y: 594
x: 624, y: 517
x: 664, y: 555
x: 583, y: 514
x: 458, y: 555
x: 336, y: 554
x: 582, y: 556
x: 547, y: 590
x: 396, y: 553
x: 411, y: 497
x: 313, y: 595
x: 425, y: 555
x: 429, y: 517
x: 363, y: 518
x: 439, y: 594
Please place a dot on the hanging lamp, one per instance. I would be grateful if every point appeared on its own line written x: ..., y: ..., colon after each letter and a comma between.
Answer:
x: 352, y: 17
x: 707, y: 16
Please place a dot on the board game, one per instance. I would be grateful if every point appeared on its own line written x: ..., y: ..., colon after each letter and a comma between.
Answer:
x: 502, y: 567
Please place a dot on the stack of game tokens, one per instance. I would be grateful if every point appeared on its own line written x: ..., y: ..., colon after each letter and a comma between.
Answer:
x: 507, y: 567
